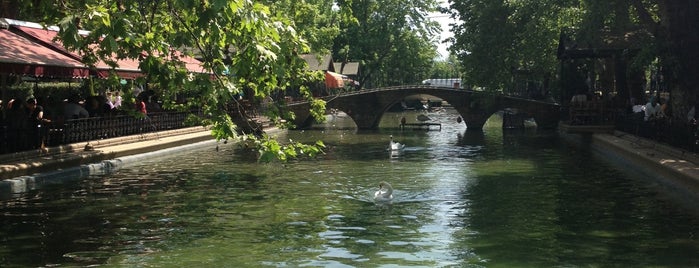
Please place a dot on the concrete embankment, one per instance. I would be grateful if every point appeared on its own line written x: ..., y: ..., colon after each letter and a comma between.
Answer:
x: 25, y: 171
x: 672, y: 167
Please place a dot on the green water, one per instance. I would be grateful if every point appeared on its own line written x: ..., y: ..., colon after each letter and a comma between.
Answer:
x: 463, y: 199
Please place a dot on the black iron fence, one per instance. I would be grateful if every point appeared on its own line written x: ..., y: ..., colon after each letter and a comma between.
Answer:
x: 78, y: 130
x: 17, y: 138
x: 666, y: 130
x: 676, y: 133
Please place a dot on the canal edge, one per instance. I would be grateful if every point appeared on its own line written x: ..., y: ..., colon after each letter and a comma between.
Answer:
x: 672, y: 167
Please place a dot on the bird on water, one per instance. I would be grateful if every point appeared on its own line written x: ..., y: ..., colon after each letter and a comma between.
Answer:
x: 385, y: 192
x: 394, y: 146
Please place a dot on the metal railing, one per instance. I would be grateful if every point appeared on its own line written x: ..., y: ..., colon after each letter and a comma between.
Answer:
x: 676, y: 133
x: 61, y: 132
x: 95, y: 128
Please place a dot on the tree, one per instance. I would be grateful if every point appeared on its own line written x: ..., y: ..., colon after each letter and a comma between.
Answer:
x: 496, y: 38
x: 447, y: 68
x: 393, y: 40
x: 675, y: 27
x: 317, y: 21
x: 247, y: 49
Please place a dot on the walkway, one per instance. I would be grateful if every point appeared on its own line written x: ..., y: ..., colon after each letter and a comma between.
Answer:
x: 675, y: 167
x: 65, y: 156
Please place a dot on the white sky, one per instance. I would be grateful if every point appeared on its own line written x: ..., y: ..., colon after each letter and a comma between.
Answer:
x: 443, y: 20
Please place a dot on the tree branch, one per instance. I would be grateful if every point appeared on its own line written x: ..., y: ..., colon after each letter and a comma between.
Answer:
x: 645, y: 16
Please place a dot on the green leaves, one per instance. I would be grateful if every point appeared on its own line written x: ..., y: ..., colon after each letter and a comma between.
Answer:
x: 393, y: 38
x: 270, y: 150
x: 497, y: 37
x: 249, y: 48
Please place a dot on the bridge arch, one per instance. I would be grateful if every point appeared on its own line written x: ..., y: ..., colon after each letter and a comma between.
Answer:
x: 367, y: 107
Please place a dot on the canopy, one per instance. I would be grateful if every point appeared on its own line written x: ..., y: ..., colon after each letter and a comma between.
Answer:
x: 334, y: 80
x: 127, y: 68
x: 19, y: 55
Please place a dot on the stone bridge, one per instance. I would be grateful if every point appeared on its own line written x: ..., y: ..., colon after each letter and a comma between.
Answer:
x: 366, y: 107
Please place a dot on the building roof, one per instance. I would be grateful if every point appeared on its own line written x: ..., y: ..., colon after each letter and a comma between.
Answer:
x: 23, y: 56
x: 318, y: 62
x: 126, y: 68
x: 347, y: 68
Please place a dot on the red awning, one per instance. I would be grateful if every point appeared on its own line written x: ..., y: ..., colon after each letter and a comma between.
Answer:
x: 127, y: 68
x: 21, y: 56
x: 193, y: 65
x: 333, y: 80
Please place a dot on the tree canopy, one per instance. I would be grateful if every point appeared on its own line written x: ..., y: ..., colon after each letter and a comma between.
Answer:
x: 493, y: 38
x: 393, y: 40
x: 249, y: 48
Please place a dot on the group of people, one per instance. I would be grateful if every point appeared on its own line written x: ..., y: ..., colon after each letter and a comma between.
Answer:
x: 654, y: 109
x: 24, y: 124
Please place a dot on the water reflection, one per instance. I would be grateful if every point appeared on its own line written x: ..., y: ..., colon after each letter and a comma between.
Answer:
x: 475, y: 199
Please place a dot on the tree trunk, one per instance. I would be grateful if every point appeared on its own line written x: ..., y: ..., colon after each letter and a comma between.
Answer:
x: 680, y: 56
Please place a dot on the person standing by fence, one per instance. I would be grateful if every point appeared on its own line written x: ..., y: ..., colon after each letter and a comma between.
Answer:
x: 36, y: 122
x: 141, y: 106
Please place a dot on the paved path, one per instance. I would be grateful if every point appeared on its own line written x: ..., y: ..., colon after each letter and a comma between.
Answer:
x: 672, y: 165
x: 65, y: 156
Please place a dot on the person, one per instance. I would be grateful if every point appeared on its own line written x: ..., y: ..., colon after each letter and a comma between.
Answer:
x: 16, y: 125
x: 691, y: 116
x: 661, y: 109
x: 578, y: 98
x: 36, y: 121
x: 141, y: 106
x: 650, y: 110
x: 117, y: 100
x: 93, y: 106
x: 73, y: 109
x: 109, y: 101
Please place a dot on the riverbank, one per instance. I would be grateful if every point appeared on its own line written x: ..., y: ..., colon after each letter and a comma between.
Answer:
x: 24, y: 171
x: 64, y: 156
x: 674, y: 168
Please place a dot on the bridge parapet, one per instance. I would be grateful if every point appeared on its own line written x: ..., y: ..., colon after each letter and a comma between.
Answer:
x: 366, y: 107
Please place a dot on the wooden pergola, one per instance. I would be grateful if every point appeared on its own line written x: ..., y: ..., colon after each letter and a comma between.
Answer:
x: 581, y: 63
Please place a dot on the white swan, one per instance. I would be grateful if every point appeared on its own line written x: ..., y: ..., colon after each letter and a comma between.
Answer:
x: 385, y: 192
x: 395, y: 146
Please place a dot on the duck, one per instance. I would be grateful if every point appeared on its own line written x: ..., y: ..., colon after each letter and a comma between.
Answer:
x: 385, y: 192
x: 89, y: 147
x: 395, y: 146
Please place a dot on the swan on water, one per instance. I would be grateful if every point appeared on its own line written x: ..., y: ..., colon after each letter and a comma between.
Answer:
x: 395, y: 146
x: 385, y: 192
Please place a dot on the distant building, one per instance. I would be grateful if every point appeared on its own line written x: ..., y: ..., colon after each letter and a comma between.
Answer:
x: 443, y: 82
x: 319, y: 62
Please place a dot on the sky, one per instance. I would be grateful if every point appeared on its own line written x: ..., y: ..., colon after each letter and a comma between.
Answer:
x: 444, y: 21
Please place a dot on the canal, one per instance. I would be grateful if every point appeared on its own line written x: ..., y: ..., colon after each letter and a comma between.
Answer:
x: 496, y: 198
